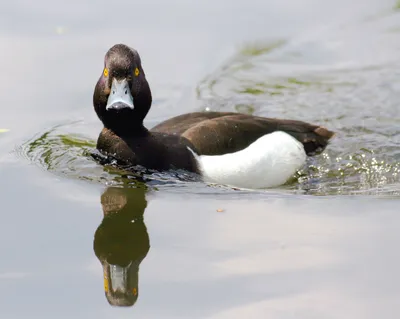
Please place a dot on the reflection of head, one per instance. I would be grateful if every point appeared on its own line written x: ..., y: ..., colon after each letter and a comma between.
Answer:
x: 121, y: 242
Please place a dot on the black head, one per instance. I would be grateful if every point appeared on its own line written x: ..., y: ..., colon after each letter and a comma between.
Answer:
x: 122, y: 96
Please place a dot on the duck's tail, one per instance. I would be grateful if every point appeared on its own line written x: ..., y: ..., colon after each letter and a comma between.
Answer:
x: 313, y: 137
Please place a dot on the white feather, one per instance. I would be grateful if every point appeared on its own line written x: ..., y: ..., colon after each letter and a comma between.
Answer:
x: 268, y: 162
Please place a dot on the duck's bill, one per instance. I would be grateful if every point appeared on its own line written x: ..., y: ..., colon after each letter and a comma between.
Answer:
x: 121, y: 286
x: 120, y: 96
x: 119, y: 277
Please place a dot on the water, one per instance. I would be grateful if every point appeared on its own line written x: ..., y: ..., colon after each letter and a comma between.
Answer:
x: 77, y: 236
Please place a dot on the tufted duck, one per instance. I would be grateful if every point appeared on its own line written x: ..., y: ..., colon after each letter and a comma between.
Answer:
x: 224, y: 147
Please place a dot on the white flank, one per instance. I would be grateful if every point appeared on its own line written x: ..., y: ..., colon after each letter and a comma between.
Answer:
x: 268, y: 162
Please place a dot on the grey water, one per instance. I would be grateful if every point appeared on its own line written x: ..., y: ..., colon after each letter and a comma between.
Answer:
x: 81, y: 240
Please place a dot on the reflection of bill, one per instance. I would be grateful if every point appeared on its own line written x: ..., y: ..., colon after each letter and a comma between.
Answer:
x: 121, y: 242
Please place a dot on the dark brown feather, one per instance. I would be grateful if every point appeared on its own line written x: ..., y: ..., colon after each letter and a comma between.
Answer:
x: 217, y: 133
x: 157, y: 151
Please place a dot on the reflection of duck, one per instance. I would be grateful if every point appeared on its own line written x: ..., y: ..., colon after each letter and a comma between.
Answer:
x: 121, y: 242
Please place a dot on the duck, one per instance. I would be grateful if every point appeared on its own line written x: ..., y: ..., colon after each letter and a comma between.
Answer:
x: 227, y: 148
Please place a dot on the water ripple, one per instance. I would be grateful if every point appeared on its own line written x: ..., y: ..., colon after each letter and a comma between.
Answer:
x: 342, y: 80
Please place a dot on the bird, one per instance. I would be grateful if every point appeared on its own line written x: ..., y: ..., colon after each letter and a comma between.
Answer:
x: 228, y: 148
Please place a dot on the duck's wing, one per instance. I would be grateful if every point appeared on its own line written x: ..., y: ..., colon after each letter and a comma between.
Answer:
x: 182, y: 123
x: 233, y: 132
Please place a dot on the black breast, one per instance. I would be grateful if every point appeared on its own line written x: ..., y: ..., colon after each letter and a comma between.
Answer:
x: 157, y: 151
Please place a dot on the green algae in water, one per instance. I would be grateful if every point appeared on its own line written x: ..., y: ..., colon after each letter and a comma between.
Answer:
x: 261, y: 49
x: 76, y: 141
x: 75, y: 156
x: 364, y: 157
x: 330, y: 173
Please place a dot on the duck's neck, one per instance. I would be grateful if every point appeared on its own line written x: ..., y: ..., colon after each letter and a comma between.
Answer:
x: 131, y: 124
x: 133, y: 130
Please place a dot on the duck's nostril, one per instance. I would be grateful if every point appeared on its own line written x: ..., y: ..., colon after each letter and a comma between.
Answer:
x: 126, y: 91
x: 113, y: 92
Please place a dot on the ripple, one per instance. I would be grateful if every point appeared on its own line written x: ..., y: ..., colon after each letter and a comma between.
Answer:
x: 357, y: 97
x: 71, y: 155
x: 341, y: 80
x: 65, y: 153
x: 358, y: 173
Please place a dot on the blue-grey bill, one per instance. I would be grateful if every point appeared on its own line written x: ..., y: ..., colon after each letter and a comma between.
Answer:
x: 120, y: 96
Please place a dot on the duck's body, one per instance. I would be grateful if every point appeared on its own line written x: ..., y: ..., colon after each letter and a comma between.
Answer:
x: 224, y: 147
x: 218, y: 133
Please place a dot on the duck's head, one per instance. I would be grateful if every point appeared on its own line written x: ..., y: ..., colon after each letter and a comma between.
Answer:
x: 122, y: 95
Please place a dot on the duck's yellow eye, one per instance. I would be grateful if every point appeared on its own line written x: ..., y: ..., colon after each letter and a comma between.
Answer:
x: 136, y: 72
x: 105, y: 72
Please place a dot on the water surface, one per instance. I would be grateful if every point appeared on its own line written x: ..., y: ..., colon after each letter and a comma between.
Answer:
x: 77, y: 237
